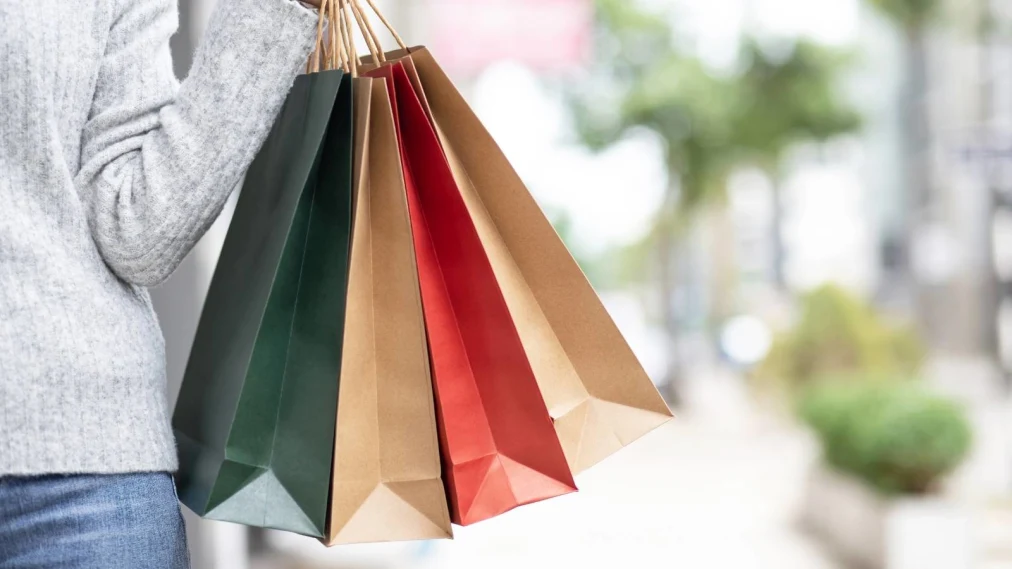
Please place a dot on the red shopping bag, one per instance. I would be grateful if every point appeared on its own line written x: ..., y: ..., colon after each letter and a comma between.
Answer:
x: 498, y: 445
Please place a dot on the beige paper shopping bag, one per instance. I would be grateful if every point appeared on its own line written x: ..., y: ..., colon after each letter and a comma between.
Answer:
x: 596, y: 390
x: 387, y: 483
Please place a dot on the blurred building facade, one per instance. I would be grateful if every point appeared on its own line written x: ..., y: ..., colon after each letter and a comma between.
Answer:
x: 949, y: 255
x: 957, y: 220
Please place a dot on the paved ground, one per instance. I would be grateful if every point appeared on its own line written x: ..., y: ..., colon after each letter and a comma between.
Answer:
x: 717, y: 488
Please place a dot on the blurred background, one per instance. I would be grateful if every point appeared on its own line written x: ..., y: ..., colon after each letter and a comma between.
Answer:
x: 800, y: 215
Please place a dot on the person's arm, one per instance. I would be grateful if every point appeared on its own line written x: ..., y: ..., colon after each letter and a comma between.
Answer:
x: 159, y: 159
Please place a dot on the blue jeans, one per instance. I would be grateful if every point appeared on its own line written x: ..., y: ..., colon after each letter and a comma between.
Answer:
x: 118, y: 521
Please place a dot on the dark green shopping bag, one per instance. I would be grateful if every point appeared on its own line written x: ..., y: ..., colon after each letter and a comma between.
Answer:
x: 256, y: 412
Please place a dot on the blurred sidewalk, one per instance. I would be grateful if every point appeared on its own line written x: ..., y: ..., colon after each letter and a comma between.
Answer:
x: 717, y: 488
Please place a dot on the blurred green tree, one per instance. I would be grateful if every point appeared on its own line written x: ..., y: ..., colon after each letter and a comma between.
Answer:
x: 710, y: 122
x: 784, y: 100
x: 642, y: 81
x: 912, y: 15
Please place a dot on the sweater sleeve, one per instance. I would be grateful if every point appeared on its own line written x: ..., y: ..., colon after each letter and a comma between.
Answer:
x: 159, y: 158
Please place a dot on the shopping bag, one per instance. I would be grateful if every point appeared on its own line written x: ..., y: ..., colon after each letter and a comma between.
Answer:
x: 387, y: 483
x: 498, y: 445
x: 256, y: 412
x: 596, y: 390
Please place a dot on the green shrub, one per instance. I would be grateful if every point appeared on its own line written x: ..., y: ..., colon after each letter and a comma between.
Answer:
x: 838, y: 334
x: 895, y: 436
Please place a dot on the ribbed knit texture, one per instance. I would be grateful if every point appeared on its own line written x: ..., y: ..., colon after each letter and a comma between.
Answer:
x: 110, y: 171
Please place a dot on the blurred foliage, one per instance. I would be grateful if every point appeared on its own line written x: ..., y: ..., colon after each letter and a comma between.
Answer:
x: 643, y: 81
x: 894, y: 435
x: 909, y: 14
x: 785, y: 98
x: 710, y: 122
x: 837, y: 333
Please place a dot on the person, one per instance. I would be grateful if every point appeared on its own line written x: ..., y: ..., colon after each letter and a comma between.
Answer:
x: 110, y: 171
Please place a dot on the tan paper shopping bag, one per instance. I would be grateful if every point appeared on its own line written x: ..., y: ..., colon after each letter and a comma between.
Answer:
x: 387, y: 484
x: 596, y: 390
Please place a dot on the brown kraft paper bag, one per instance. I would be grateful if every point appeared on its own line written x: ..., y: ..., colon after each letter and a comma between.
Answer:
x: 387, y: 483
x: 597, y: 393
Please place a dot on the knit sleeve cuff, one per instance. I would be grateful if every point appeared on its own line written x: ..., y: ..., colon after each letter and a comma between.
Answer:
x: 259, y: 44
x: 250, y: 55
x: 261, y: 31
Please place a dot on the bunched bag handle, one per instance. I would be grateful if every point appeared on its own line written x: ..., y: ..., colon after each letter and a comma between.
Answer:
x: 349, y: 41
x: 335, y: 44
x: 352, y: 12
x: 365, y: 28
x: 332, y: 49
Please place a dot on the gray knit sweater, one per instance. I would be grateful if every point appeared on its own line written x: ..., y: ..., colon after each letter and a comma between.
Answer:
x: 110, y: 171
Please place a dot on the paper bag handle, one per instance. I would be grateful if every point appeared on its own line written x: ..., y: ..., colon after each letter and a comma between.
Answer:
x: 338, y: 50
x: 349, y: 41
x: 368, y: 28
x: 365, y: 28
x: 332, y: 46
x: 313, y: 63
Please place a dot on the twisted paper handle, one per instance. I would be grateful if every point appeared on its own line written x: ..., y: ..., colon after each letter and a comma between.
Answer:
x: 349, y: 41
x: 332, y: 49
x: 353, y: 12
x: 335, y: 45
x: 383, y: 19
x: 365, y: 28
x: 313, y: 64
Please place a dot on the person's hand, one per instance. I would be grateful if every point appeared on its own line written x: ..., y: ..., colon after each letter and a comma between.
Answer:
x: 313, y: 3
